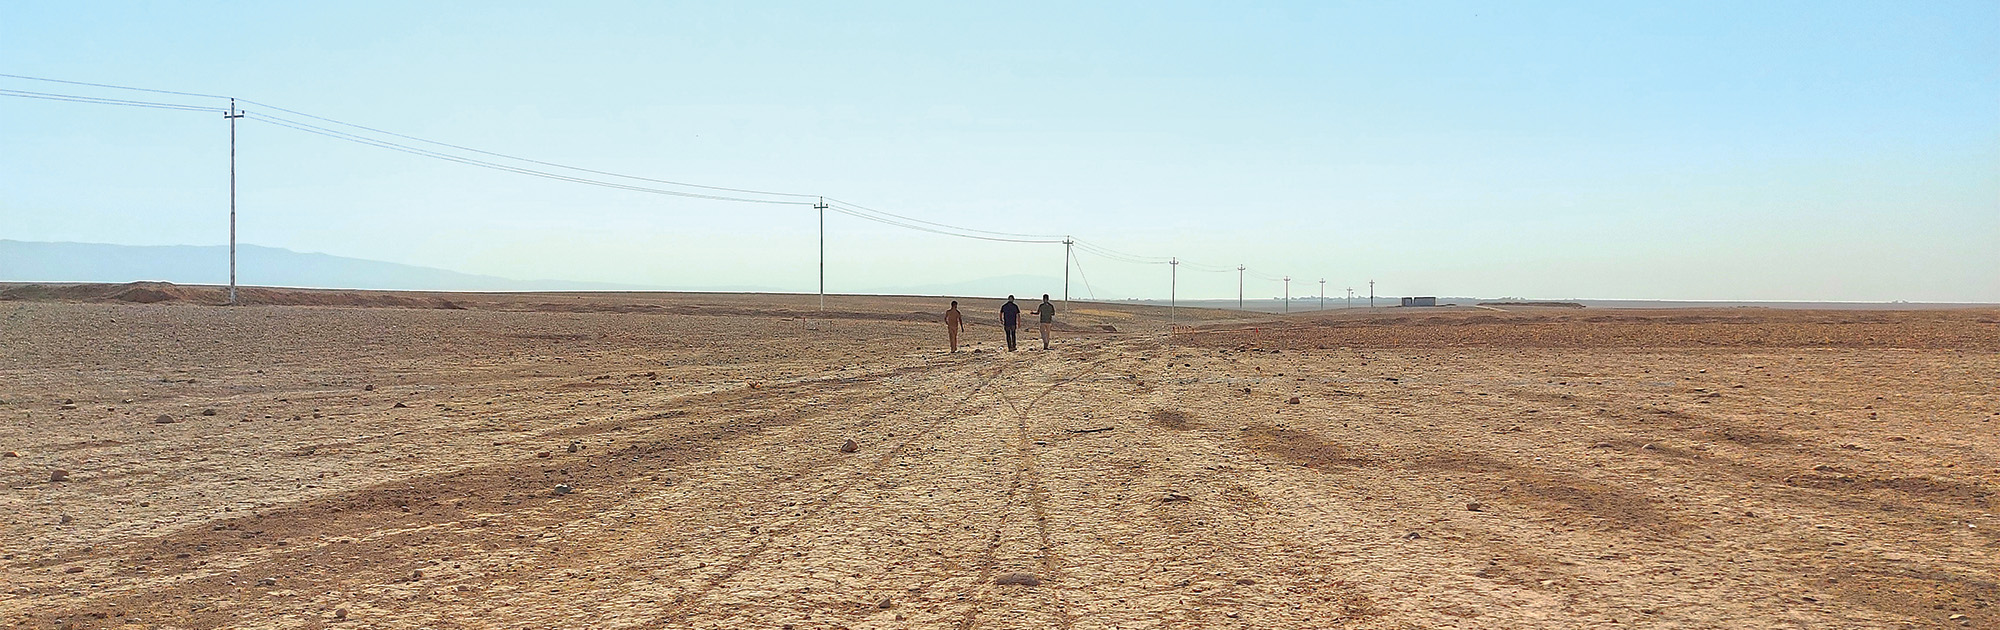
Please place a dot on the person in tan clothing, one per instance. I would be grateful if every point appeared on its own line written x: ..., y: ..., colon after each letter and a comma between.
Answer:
x: 952, y: 323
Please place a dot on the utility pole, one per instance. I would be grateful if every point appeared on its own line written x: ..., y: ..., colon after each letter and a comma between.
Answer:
x: 1173, y: 289
x: 1067, y: 242
x: 1288, y: 294
x: 232, y: 115
x: 1322, y: 294
x: 1371, y: 294
x: 821, y: 207
x: 1350, y: 297
x: 1239, y: 287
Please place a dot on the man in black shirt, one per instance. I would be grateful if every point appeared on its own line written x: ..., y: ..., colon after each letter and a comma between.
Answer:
x: 1047, y: 311
x: 1010, y: 316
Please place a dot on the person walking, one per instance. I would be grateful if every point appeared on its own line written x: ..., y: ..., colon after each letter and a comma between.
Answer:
x: 952, y: 323
x: 1010, y: 317
x: 1047, y: 311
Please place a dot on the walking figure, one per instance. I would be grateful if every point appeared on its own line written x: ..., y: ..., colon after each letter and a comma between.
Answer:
x: 1010, y: 316
x: 952, y: 323
x: 1047, y: 311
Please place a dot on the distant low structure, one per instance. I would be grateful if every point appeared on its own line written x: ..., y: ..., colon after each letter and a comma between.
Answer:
x: 1420, y: 301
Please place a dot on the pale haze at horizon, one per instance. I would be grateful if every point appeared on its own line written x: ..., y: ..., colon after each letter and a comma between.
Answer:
x: 1730, y: 151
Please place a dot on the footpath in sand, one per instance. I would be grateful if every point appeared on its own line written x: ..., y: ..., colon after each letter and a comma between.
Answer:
x: 678, y: 462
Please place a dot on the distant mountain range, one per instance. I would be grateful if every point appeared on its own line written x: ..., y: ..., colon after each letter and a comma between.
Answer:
x: 27, y: 261
x: 32, y: 261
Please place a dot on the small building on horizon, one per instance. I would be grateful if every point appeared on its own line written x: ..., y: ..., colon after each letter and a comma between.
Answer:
x: 1421, y: 301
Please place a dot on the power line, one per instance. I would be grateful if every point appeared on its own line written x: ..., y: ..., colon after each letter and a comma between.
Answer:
x: 856, y: 206
x: 341, y: 135
x: 115, y: 87
x: 843, y: 207
x: 107, y: 101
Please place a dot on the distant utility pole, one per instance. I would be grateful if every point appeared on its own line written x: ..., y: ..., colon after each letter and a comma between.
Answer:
x: 1173, y: 288
x: 1371, y: 294
x: 232, y: 115
x: 821, y: 207
x: 1322, y: 294
x: 1239, y: 287
x: 1067, y: 242
x: 1350, y: 297
x: 1288, y: 294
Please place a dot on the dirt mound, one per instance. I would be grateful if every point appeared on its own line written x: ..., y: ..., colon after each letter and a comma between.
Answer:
x: 167, y: 292
x: 1548, y: 304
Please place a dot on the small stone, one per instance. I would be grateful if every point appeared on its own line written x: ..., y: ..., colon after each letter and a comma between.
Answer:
x: 562, y: 488
x: 416, y: 575
x: 368, y: 388
x: 58, y: 475
x: 66, y: 407
x: 208, y: 412
x: 268, y: 582
x: 400, y: 406
x: 73, y: 570
x: 65, y: 519
x: 573, y: 447
x: 340, y: 613
x: 885, y: 604
x: 1018, y: 579
x: 13, y: 454
x: 542, y: 455
x: 1412, y: 536
x: 1293, y: 401
x: 163, y: 419
x: 1474, y: 506
x: 849, y: 446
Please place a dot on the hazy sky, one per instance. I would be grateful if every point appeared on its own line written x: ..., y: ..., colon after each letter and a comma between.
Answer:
x: 1730, y: 150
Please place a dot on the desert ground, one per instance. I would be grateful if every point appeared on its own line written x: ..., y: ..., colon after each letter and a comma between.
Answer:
x: 329, y: 459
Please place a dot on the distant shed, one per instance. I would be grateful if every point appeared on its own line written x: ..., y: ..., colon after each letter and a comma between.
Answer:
x: 1420, y: 301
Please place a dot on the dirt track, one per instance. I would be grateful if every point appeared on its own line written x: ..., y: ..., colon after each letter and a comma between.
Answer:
x: 1775, y: 475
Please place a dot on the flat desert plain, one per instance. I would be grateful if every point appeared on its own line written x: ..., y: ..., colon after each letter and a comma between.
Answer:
x: 375, y: 460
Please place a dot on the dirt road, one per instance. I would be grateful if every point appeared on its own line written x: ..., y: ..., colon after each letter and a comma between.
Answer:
x: 485, y: 467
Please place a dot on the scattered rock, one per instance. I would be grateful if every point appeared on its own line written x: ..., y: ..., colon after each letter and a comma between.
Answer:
x: 562, y: 488
x: 1293, y: 401
x: 1412, y: 536
x: 368, y: 388
x: 268, y: 582
x: 885, y: 604
x: 574, y: 447
x: 1474, y: 506
x: 58, y: 475
x: 400, y: 406
x: 65, y: 520
x: 1018, y: 579
x: 208, y: 412
x: 542, y: 455
x: 163, y: 419
x: 73, y: 570
x: 65, y: 401
x: 13, y: 454
x: 1603, y: 445
x: 849, y: 446
x: 340, y: 613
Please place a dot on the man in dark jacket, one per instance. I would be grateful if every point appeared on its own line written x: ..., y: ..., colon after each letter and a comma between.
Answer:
x: 1010, y: 317
x: 1047, y: 311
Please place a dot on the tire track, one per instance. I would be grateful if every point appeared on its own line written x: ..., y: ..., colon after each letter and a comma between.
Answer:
x: 683, y: 606
x: 1027, y: 471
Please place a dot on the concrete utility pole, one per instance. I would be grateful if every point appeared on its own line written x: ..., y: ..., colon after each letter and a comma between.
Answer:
x: 1239, y: 287
x: 821, y: 207
x: 1173, y: 289
x: 1067, y: 242
x: 1322, y: 294
x: 1350, y: 297
x: 1288, y: 294
x: 232, y: 115
x: 1371, y: 294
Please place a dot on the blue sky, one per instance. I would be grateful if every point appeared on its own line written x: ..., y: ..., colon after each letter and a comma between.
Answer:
x: 1770, y: 150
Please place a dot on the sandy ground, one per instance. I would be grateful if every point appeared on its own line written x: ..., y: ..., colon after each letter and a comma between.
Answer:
x: 676, y: 461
